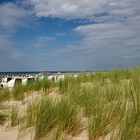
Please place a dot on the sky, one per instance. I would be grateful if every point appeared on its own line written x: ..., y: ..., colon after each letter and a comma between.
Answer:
x: 67, y: 35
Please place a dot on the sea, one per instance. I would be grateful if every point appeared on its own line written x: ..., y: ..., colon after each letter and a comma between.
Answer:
x: 35, y: 72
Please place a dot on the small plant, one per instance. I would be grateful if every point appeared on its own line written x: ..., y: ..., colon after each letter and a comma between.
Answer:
x: 4, y: 95
x: 3, y: 117
x: 46, y: 85
x: 45, y: 117
x: 63, y: 85
x: 67, y: 117
x: 31, y: 114
x: 18, y: 92
x: 37, y: 85
x: 14, y: 116
x: 3, y: 114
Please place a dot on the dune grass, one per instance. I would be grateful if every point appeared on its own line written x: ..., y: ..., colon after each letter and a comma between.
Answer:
x: 67, y: 117
x: 14, y: 116
x: 46, y: 115
x: 4, y: 95
x: 109, y: 102
x: 3, y: 116
x: 18, y: 92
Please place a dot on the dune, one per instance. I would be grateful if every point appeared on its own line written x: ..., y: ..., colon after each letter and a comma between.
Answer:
x: 10, y: 134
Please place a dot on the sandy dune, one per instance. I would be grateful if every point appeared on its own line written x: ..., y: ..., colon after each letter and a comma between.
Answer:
x: 10, y: 134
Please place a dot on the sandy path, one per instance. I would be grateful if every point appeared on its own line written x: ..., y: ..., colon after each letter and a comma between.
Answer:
x: 10, y: 134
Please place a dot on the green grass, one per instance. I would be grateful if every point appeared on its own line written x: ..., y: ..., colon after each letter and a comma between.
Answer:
x: 14, y: 116
x: 4, y: 95
x: 46, y: 85
x: 3, y: 117
x: 18, y: 92
x: 67, y: 117
x: 45, y: 117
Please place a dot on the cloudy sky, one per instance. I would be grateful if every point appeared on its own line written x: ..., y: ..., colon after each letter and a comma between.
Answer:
x: 69, y: 34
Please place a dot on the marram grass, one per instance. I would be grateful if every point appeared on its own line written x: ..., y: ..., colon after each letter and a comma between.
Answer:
x: 108, y: 102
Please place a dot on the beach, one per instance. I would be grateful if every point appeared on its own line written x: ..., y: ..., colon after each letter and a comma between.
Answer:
x: 84, y: 106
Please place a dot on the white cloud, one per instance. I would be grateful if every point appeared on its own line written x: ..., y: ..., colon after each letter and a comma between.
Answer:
x: 114, y: 41
x: 69, y: 9
x: 111, y: 39
x: 109, y: 31
x: 12, y: 15
x: 76, y: 9
x: 42, y: 41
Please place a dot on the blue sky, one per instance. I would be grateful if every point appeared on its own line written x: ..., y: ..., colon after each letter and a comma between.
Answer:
x: 68, y: 34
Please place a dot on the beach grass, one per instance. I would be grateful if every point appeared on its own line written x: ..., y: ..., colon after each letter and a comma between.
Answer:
x: 4, y: 95
x: 108, y: 102
x: 45, y: 117
x: 3, y: 116
x: 67, y: 117
x: 14, y: 116
x: 18, y: 92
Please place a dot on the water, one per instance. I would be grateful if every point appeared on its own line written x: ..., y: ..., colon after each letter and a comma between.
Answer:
x: 18, y: 73
x: 35, y: 72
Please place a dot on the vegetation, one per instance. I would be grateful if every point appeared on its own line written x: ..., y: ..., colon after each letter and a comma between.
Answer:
x: 4, y: 95
x: 105, y: 104
x: 18, y: 92
x: 3, y: 117
x: 14, y: 116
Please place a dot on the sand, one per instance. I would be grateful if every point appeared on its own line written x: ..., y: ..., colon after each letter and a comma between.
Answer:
x: 10, y: 134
